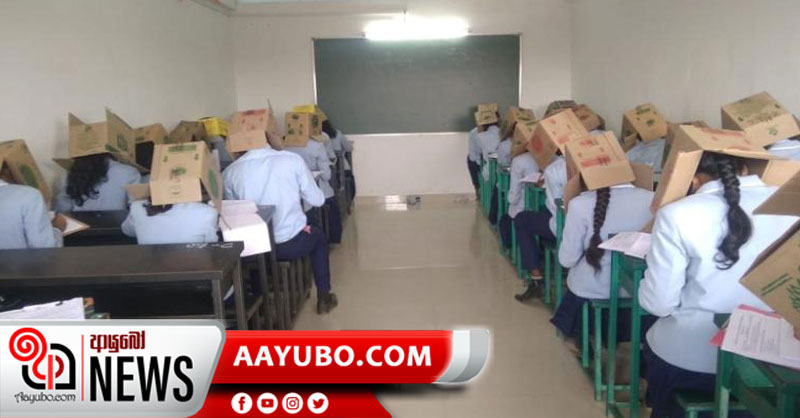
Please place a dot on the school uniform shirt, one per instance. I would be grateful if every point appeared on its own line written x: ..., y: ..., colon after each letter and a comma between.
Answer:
x: 682, y: 283
x: 25, y: 219
x: 279, y: 178
x: 316, y: 158
x: 474, y: 154
x: 628, y: 210
x: 648, y: 153
x: 112, y: 193
x: 504, y: 152
x: 328, y: 146
x: 183, y: 223
x: 555, y: 179
x: 342, y: 145
x: 488, y: 141
x: 786, y: 148
x: 522, y: 166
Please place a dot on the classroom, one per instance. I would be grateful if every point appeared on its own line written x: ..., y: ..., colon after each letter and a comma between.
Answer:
x: 608, y: 187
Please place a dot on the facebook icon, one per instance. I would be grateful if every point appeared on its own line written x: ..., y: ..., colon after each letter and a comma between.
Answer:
x: 241, y: 403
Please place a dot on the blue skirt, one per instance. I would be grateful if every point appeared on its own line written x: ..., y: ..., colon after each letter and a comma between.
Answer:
x: 568, y: 318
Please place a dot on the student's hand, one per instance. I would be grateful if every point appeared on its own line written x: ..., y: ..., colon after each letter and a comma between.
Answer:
x: 307, y: 229
x: 60, y: 222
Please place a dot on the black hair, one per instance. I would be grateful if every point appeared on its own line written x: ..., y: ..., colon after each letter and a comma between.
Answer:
x: 328, y: 128
x: 153, y: 210
x: 144, y: 154
x: 594, y: 253
x: 726, y: 168
x: 84, y: 176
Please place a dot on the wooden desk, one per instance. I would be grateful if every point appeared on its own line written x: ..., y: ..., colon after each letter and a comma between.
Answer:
x: 73, y: 270
x: 105, y: 228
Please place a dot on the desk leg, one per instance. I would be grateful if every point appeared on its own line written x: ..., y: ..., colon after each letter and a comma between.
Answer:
x: 239, y: 300
x: 217, y: 301
x: 636, y: 343
x: 262, y: 275
x: 722, y: 393
x: 613, y: 309
x: 786, y: 404
x: 277, y: 286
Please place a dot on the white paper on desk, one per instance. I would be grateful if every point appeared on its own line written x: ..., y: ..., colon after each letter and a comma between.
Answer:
x: 492, y: 155
x: 789, y: 345
x: 68, y: 309
x: 755, y: 334
x: 532, y: 178
x: 248, y: 228
x: 73, y: 225
x: 635, y: 244
x: 237, y: 207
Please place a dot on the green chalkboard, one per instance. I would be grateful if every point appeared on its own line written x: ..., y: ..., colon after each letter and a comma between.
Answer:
x: 379, y: 87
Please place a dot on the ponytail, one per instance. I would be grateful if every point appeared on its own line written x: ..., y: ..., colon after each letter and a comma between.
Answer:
x: 740, y: 229
x: 84, y: 177
x: 594, y: 253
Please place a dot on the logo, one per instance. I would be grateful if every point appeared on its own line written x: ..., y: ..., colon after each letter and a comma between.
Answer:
x: 267, y: 403
x: 292, y: 403
x: 318, y: 403
x: 241, y: 403
x: 46, y: 364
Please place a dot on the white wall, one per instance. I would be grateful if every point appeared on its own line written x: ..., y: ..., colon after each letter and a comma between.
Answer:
x: 273, y: 60
x: 148, y: 60
x: 687, y: 57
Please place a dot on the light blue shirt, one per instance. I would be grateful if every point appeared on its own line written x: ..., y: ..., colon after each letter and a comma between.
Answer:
x: 555, y: 179
x: 504, y: 152
x: 488, y: 141
x: 628, y: 210
x: 474, y: 154
x: 328, y: 146
x: 278, y: 178
x: 183, y: 223
x: 112, y: 194
x: 683, y: 285
x: 25, y: 219
x: 649, y: 153
x: 786, y: 148
x: 522, y: 166
x: 316, y: 158
x: 340, y: 143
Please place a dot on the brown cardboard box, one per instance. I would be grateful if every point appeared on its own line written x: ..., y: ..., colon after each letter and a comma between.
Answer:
x: 775, y: 275
x: 181, y: 172
x: 488, y: 107
x: 215, y: 126
x: 762, y: 117
x: 300, y: 127
x: 557, y: 105
x: 112, y: 136
x: 523, y: 132
x: 154, y: 133
x: 552, y: 134
x: 17, y: 158
x: 248, y: 130
x: 672, y: 128
x: 188, y: 131
x: 310, y: 108
x: 643, y: 121
x: 485, y: 118
x: 595, y: 162
x: 514, y: 115
x: 590, y: 120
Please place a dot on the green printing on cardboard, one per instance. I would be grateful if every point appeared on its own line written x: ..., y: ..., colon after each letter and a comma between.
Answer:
x: 182, y: 148
x: 122, y: 143
x: 794, y: 295
x: 642, y: 110
x: 28, y: 176
x: 773, y: 130
x: 651, y: 122
x: 295, y: 116
x: 212, y: 183
x: 775, y: 284
x: 177, y: 172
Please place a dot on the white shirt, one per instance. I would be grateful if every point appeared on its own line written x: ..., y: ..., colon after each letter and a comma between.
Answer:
x: 683, y: 284
x: 474, y: 154
x: 555, y: 179
x: 504, y: 152
x: 25, y: 219
x: 488, y: 141
x: 786, y: 148
x: 326, y: 140
x: 278, y: 178
x: 522, y: 166
x: 112, y: 194
x: 649, y: 153
x: 316, y: 158
x: 341, y: 143
x: 183, y: 223
x: 628, y: 210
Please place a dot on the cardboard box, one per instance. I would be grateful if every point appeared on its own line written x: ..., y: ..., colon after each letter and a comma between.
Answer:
x: 181, y: 172
x: 248, y: 130
x: 154, y: 133
x: 485, y: 118
x: 113, y: 136
x: 762, y: 117
x: 672, y: 128
x: 215, y: 126
x: 523, y: 132
x: 18, y: 160
x: 643, y: 122
x: 775, y: 275
x: 595, y: 162
x: 489, y: 107
x: 552, y: 134
x: 557, y: 105
x: 188, y: 131
x: 310, y: 108
x: 300, y: 127
x: 514, y: 115
x: 590, y: 120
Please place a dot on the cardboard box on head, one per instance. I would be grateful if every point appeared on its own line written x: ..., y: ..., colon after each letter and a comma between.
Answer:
x: 514, y: 115
x: 16, y: 158
x: 300, y: 127
x: 552, y: 134
x: 181, y: 172
x: 311, y: 108
x: 523, y: 132
x: 215, y: 126
x: 775, y: 275
x: 672, y: 128
x: 249, y: 130
x: 590, y: 120
x: 113, y: 136
x: 595, y: 162
x: 557, y: 105
x: 188, y: 131
x: 643, y: 122
x: 488, y: 107
x: 485, y: 118
x: 762, y: 117
x: 155, y: 134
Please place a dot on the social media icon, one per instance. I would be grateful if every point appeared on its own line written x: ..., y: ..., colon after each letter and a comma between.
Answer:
x: 292, y: 403
x: 267, y: 403
x: 241, y: 403
x: 318, y: 403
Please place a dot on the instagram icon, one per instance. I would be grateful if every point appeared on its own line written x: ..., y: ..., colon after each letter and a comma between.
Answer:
x: 292, y: 403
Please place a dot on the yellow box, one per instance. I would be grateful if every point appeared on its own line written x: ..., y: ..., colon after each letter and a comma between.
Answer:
x: 215, y: 126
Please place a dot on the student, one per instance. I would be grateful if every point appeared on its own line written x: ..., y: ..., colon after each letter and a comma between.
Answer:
x: 504, y: 152
x: 316, y: 158
x: 26, y: 220
x: 788, y: 148
x: 590, y: 219
x: 281, y: 178
x: 522, y: 166
x: 488, y: 141
x: 474, y: 160
x: 171, y: 224
x: 701, y: 246
x: 341, y: 146
x: 649, y: 153
x: 96, y: 182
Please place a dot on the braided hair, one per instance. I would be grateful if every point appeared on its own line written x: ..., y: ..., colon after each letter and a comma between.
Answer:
x: 594, y: 253
x: 85, y: 175
x: 726, y: 168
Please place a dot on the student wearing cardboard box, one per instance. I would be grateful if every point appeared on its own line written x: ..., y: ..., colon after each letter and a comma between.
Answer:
x: 171, y: 209
x: 617, y: 199
x: 488, y: 138
x: 522, y: 165
x: 702, y: 245
x: 766, y: 122
x: 644, y: 133
x: 100, y: 168
x: 341, y: 146
x: 304, y: 138
x: 282, y: 179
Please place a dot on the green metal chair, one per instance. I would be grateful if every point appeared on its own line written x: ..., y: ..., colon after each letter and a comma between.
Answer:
x: 503, y: 180
x: 553, y: 272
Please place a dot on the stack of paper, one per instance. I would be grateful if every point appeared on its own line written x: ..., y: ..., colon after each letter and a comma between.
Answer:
x: 239, y: 221
x: 634, y: 244
x: 73, y: 225
x: 68, y: 309
x: 762, y: 336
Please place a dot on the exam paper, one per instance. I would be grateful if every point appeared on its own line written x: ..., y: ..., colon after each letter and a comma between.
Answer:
x: 757, y: 335
x: 635, y: 244
x: 68, y: 309
x: 73, y: 225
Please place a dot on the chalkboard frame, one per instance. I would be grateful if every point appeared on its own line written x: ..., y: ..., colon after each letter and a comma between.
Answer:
x: 315, y: 86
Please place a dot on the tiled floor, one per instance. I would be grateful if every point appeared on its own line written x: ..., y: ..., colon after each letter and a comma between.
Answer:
x: 437, y: 266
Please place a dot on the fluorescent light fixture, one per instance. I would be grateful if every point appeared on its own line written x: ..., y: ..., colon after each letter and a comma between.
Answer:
x: 416, y: 28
